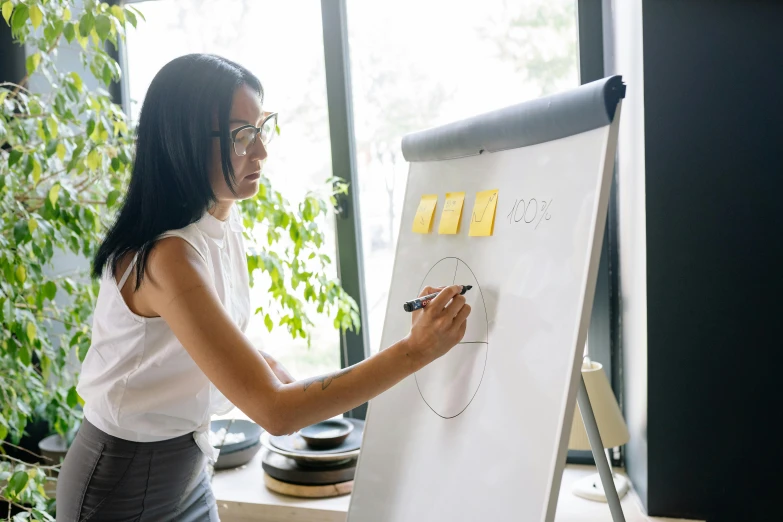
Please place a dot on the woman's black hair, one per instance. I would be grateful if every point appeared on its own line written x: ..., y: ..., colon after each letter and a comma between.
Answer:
x: 169, y: 187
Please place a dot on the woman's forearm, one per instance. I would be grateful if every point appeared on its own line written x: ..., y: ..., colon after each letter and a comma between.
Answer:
x: 305, y: 402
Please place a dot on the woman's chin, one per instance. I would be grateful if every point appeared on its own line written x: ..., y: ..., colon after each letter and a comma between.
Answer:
x: 247, y: 188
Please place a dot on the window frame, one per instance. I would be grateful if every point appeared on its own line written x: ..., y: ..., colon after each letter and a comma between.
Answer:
x: 604, y: 331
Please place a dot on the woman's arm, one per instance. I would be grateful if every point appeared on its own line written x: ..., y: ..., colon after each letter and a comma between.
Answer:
x: 278, y: 369
x: 178, y: 287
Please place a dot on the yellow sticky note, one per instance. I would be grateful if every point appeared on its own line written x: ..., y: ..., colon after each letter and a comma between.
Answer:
x: 482, y: 221
x: 422, y: 223
x: 452, y: 213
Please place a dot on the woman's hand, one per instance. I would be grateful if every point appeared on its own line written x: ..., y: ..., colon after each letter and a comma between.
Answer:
x: 278, y: 369
x: 440, y: 325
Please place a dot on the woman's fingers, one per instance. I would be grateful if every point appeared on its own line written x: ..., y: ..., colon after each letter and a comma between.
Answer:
x: 447, y: 294
x: 430, y: 290
x: 456, y: 305
x: 462, y: 315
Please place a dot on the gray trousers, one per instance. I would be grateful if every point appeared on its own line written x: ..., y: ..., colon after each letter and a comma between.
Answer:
x: 104, y: 478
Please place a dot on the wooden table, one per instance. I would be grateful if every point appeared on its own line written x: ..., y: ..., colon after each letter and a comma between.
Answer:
x: 242, y: 497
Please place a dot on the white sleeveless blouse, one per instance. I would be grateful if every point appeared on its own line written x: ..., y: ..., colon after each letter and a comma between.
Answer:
x: 138, y: 382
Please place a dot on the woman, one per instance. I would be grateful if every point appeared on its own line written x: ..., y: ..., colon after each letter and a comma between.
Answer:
x: 168, y: 346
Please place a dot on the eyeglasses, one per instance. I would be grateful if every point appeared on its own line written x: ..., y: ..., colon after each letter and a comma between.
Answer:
x: 245, y: 136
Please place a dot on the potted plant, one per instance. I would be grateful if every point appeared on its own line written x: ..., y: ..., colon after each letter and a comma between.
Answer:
x: 65, y: 157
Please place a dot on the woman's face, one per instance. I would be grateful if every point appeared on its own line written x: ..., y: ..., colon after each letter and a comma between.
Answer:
x: 245, y: 110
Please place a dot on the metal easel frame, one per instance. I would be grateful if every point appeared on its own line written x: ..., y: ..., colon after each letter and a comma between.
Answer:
x: 594, y: 436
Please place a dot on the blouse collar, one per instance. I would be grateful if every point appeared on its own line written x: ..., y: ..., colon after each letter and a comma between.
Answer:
x: 215, y: 229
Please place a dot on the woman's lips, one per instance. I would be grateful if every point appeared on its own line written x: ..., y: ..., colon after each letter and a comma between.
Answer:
x: 254, y: 176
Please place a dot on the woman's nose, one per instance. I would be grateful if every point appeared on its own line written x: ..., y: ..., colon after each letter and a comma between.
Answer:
x: 257, y: 150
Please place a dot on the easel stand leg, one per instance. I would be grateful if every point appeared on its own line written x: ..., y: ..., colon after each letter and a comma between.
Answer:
x: 591, y: 427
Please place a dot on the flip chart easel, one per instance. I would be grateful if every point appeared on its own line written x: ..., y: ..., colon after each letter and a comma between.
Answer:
x: 533, y: 182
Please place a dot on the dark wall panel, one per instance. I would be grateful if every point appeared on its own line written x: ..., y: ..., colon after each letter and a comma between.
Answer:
x: 713, y: 99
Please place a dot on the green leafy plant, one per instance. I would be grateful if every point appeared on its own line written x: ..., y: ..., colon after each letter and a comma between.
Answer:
x: 66, y: 153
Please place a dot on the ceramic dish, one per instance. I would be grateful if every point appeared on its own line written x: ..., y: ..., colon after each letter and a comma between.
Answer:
x: 246, y: 430
x: 313, y: 457
x: 234, y: 459
x: 297, y: 445
x: 327, y: 434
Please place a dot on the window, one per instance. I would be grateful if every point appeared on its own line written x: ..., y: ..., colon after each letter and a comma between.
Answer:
x: 419, y: 64
x: 281, y: 42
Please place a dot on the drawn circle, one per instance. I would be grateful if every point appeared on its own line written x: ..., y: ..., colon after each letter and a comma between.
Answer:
x: 449, y: 384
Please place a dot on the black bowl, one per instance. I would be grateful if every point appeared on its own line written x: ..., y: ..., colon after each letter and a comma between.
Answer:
x: 234, y: 459
x: 251, y: 430
x: 327, y: 434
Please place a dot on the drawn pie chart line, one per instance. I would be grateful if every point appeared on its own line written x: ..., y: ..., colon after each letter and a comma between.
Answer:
x: 486, y: 355
x: 483, y: 371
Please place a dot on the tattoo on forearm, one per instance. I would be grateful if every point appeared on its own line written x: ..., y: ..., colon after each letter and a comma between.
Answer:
x: 325, y: 380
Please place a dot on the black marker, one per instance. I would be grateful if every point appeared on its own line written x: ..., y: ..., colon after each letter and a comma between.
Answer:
x: 421, y: 302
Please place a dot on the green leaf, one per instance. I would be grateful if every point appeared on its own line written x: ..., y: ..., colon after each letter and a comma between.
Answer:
x: 83, y: 348
x: 69, y: 33
x: 13, y: 157
x: 90, y: 217
x: 42, y: 131
x: 46, y: 366
x: 66, y: 14
x: 102, y: 26
x: 51, y: 148
x: 86, y: 23
x: 36, y: 171
x: 17, y: 483
x: 75, y: 339
x: 21, y: 232
x: 50, y: 290
x: 76, y: 156
x: 36, y: 16
x: 31, y: 332
x: 79, y: 38
x: 54, y: 192
x: 8, y: 7
x: 268, y: 323
x: 32, y: 224
x: 120, y: 127
x: 77, y: 82
x: 50, y: 33
x: 32, y: 62
x: 93, y: 159
x: 73, y: 397
x: 19, y: 17
x: 118, y: 13
x: 61, y: 151
x: 24, y: 355
x: 28, y: 166
x: 3, y: 429
x: 131, y: 17
x: 35, y: 106
x: 95, y: 135
x: 115, y: 164
x: 106, y: 76
x: 111, y: 199
x: 53, y: 129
